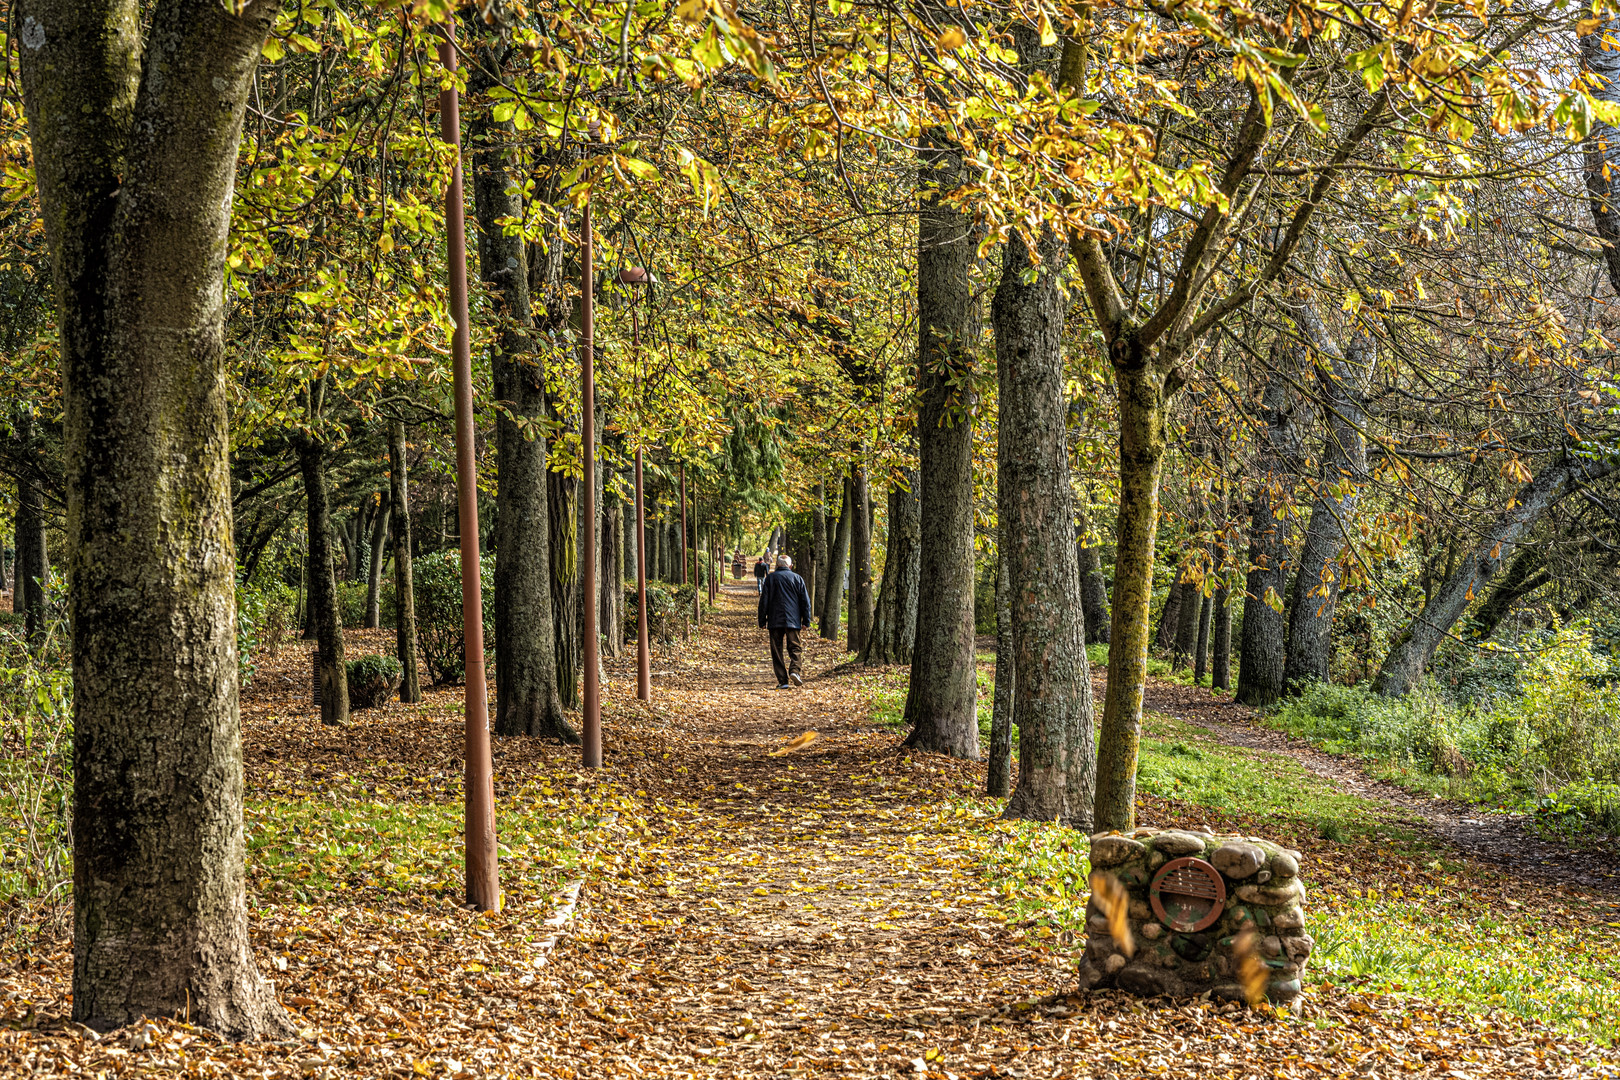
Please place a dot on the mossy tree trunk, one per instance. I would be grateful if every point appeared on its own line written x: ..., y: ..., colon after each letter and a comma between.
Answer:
x: 941, y: 701
x: 135, y: 171
x: 860, y: 562
x: 526, y: 693
x: 1141, y: 460
x: 998, y: 774
x: 410, y: 684
x: 1052, y: 703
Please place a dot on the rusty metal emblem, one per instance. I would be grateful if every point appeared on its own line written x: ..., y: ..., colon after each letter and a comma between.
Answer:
x: 1188, y: 895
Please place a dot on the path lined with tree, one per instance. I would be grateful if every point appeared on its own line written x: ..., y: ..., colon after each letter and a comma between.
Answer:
x: 829, y: 911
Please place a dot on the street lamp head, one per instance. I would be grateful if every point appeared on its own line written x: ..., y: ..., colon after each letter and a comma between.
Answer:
x: 633, y: 275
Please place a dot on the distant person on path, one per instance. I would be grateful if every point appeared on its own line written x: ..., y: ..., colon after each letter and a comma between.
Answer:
x: 760, y: 570
x: 784, y: 607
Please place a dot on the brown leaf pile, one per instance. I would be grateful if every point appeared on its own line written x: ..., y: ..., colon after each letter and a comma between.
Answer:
x: 743, y: 915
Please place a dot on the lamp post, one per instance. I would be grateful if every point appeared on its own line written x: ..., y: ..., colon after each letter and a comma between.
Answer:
x: 481, y: 859
x: 635, y: 277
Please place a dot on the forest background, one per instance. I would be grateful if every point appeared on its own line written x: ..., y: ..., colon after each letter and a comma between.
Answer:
x: 1275, y: 329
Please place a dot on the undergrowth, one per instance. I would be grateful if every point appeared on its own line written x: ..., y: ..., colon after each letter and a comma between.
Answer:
x: 1550, y: 747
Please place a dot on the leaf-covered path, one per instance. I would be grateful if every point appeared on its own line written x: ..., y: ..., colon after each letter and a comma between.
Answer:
x: 829, y: 912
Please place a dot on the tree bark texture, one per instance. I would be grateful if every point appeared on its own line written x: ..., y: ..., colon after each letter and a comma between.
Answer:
x: 941, y: 703
x: 379, y: 533
x: 895, y: 626
x: 1525, y: 574
x: 135, y: 170
x: 410, y: 684
x: 1201, y: 650
x: 998, y: 777
x: 610, y: 617
x: 837, y: 561
x: 563, y: 502
x: 1141, y: 460
x: 1220, y: 641
x: 1413, y: 650
x: 1192, y: 602
x: 1093, y: 585
x: 323, y: 591
x: 527, y: 701
x: 1340, y: 376
x: 1170, y: 615
x: 860, y: 562
x: 1262, y: 658
x: 1035, y: 506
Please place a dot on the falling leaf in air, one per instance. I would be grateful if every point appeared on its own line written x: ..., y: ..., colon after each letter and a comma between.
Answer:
x: 1251, y: 970
x: 1111, y: 900
x: 798, y: 743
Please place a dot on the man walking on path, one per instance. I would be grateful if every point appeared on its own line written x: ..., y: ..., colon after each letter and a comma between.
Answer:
x: 784, y: 607
x: 760, y: 571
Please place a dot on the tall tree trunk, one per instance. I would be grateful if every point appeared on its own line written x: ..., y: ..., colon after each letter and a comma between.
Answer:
x: 1413, y: 650
x: 527, y: 701
x: 1201, y: 650
x: 379, y: 533
x: 1093, y: 585
x: 323, y: 592
x: 941, y: 702
x: 837, y: 562
x: 895, y: 626
x: 410, y: 685
x: 1034, y: 502
x: 1192, y: 603
x: 135, y: 173
x: 1341, y: 379
x: 611, y: 614
x: 1142, y: 392
x: 816, y: 581
x: 1170, y: 615
x: 1263, y: 653
x: 1220, y: 647
x: 563, y: 502
x: 860, y: 562
x: 998, y: 777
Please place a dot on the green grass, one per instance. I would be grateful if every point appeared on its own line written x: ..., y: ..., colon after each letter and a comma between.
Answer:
x: 1380, y: 923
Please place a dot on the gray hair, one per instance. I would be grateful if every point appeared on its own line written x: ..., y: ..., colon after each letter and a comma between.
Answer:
x: 783, y: 562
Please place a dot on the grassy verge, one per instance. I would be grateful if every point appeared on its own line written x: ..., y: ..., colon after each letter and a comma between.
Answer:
x: 1392, y: 910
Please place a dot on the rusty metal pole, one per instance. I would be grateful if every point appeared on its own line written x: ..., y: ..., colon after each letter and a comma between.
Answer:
x: 643, y: 648
x: 592, y: 734
x: 482, y: 866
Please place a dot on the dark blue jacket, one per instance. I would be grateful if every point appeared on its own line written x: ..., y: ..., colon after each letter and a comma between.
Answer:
x: 785, y: 602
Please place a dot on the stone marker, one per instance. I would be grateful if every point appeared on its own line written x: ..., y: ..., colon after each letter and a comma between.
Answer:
x: 1210, y: 891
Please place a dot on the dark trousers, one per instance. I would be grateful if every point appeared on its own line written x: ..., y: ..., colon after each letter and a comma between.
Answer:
x: 786, y: 641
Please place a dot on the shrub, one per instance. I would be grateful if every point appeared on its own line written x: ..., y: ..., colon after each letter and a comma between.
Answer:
x: 36, y: 778
x: 437, y: 581
x: 373, y: 680
x: 263, y: 616
x: 669, y: 611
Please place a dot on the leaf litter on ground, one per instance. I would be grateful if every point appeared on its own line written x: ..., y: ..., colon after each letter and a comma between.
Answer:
x: 853, y: 909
